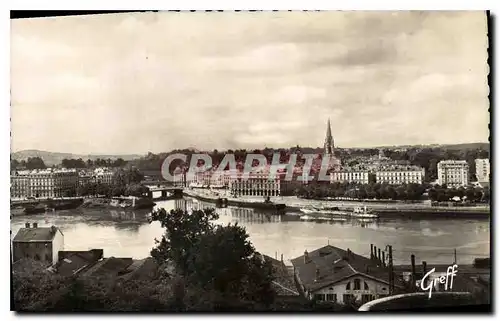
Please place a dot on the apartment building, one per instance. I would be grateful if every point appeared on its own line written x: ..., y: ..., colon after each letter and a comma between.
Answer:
x: 347, y: 176
x: 45, y: 183
x: 398, y: 175
x: 483, y: 169
x: 453, y: 173
x: 257, y: 184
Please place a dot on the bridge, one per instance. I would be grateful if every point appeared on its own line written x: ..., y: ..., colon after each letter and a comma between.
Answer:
x: 166, y: 192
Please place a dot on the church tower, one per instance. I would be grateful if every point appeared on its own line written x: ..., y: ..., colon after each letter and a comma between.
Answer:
x: 329, y: 146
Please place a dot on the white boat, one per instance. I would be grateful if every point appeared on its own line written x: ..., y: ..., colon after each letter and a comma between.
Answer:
x: 308, y: 210
x: 358, y: 212
x: 307, y: 218
x: 364, y: 215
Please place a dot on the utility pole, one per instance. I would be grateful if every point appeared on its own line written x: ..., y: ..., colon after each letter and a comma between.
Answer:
x: 391, y: 271
x: 413, y: 273
x: 455, y: 252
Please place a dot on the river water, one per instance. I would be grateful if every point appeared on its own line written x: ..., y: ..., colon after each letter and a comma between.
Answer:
x: 128, y: 234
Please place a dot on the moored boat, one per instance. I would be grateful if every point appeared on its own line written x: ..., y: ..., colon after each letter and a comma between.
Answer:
x: 359, y: 212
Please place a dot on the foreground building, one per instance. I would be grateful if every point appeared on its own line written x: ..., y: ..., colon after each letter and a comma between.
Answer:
x: 335, y: 275
x: 45, y: 183
x: 38, y: 243
x: 453, y: 173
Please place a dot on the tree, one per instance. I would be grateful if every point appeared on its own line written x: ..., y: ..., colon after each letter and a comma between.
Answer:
x: 73, y: 163
x: 124, y: 177
x: 35, y: 163
x: 218, y: 258
x: 137, y: 190
x: 119, y: 162
x: 14, y: 164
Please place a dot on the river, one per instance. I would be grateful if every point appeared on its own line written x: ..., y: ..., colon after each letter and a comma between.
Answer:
x: 128, y: 234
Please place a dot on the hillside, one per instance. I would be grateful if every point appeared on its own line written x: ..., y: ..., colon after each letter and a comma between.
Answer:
x: 444, y: 146
x: 51, y: 158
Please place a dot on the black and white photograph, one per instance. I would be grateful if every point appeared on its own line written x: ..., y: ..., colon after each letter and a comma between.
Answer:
x: 250, y: 161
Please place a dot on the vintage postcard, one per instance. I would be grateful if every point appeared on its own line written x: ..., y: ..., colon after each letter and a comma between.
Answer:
x: 331, y: 161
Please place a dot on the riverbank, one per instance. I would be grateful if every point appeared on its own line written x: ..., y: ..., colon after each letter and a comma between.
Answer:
x: 132, y: 203
x: 224, y: 200
x: 44, y: 206
x: 383, y: 209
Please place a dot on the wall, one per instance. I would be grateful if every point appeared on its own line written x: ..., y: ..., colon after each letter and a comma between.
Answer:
x: 57, y: 245
x: 40, y: 251
x: 375, y: 288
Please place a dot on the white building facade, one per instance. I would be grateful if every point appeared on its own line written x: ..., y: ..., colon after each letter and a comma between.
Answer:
x: 360, y: 288
x: 453, y: 173
x: 398, y: 175
x: 483, y: 169
x: 45, y: 183
x: 360, y: 177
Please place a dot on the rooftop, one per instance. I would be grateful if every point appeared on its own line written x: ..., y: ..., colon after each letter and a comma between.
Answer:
x: 107, y: 266
x: 38, y: 234
x: 45, y: 171
x: 72, y: 262
x: 335, y: 264
x: 452, y: 161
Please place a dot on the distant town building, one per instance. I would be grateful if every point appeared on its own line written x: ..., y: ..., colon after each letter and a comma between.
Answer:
x: 453, y: 173
x: 329, y: 149
x: 45, y: 183
x: 329, y: 143
x: 336, y: 275
x: 346, y: 176
x: 257, y: 184
x: 103, y: 175
x: 397, y: 175
x: 483, y: 169
x: 38, y: 243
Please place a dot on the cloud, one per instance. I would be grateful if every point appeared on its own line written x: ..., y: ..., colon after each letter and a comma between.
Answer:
x: 132, y: 83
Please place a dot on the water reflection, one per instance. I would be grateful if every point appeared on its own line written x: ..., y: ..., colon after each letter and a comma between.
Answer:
x: 127, y: 233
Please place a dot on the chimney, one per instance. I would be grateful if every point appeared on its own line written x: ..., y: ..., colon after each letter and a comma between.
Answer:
x: 383, y: 258
x: 27, y: 225
x: 374, y: 254
x: 371, y: 251
x: 306, y: 257
x: 35, y: 225
x: 379, y: 257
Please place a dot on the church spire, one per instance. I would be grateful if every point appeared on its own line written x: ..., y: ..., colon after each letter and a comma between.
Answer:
x: 328, y: 139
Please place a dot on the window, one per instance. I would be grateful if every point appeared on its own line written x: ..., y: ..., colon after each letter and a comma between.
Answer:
x: 357, y: 284
x: 348, y: 298
x: 348, y: 286
x: 366, y: 285
x: 365, y: 298
x: 319, y: 297
x: 331, y: 297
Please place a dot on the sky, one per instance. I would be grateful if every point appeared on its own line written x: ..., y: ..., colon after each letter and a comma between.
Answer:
x: 139, y: 82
